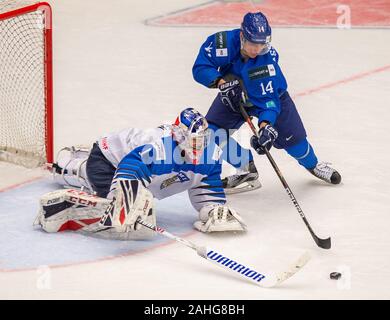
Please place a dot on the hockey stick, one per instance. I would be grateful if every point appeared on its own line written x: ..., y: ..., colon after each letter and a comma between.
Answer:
x: 242, y: 270
x: 322, y: 243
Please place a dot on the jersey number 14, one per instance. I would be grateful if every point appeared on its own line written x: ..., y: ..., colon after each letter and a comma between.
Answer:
x: 267, y: 89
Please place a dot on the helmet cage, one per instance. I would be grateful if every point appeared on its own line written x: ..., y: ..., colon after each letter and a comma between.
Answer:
x: 192, y: 139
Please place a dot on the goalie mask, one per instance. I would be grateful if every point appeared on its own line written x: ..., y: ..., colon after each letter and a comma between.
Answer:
x: 192, y: 134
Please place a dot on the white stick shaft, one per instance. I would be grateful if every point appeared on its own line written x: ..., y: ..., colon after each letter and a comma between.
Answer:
x: 232, y: 265
x: 169, y: 235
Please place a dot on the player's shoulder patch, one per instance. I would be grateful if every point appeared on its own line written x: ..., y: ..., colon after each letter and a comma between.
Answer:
x: 221, y: 48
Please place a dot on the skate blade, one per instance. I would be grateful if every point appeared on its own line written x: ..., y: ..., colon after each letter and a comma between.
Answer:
x: 246, y: 187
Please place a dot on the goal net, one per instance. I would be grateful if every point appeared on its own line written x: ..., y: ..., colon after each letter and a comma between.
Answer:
x: 26, y: 90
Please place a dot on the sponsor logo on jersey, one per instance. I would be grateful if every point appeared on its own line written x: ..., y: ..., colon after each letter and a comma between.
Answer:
x: 221, y: 44
x: 221, y: 40
x: 104, y: 143
x: 179, y: 178
x: 262, y: 72
x: 228, y: 263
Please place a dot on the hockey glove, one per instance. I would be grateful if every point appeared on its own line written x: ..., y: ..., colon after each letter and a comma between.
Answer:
x: 266, y: 139
x: 231, y: 94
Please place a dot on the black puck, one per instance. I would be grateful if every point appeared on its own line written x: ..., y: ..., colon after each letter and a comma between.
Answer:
x: 335, y: 275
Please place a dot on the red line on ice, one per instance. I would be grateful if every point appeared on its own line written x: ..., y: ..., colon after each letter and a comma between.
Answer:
x: 21, y: 184
x: 342, y: 81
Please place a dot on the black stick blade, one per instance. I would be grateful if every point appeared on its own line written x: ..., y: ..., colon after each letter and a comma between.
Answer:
x: 323, y: 243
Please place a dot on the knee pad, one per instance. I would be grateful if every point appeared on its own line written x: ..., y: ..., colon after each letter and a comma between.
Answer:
x: 70, y: 168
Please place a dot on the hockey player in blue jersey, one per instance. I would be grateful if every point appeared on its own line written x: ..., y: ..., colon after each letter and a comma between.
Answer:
x: 243, y: 61
x: 126, y: 170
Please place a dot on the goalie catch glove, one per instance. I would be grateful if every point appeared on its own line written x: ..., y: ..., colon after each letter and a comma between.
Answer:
x: 219, y: 218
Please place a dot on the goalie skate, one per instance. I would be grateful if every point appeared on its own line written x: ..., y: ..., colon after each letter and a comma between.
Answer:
x: 219, y: 219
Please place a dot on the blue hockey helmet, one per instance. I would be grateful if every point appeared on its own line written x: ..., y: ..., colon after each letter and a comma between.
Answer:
x: 192, y: 134
x: 255, y: 28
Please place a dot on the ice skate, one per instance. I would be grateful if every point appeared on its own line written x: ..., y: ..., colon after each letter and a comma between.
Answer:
x: 247, y: 180
x: 324, y: 172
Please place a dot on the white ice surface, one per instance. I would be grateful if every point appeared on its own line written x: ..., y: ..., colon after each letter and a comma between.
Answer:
x: 112, y: 71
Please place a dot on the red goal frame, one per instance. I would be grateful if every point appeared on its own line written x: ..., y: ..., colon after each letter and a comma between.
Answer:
x: 48, y: 36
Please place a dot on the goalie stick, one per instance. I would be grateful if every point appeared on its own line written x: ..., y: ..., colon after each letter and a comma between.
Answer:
x: 243, y: 270
x: 322, y: 243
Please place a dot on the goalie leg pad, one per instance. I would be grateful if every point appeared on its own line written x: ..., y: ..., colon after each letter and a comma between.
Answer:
x: 70, y: 168
x: 219, y: 219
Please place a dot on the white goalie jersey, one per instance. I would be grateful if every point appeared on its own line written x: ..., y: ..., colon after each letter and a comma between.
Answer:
x: 115, y: 146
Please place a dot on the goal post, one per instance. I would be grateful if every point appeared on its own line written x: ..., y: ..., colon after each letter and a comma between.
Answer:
x: 26, y: 83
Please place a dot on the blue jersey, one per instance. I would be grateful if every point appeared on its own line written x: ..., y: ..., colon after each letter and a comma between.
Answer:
x: 160, y: 166
x: 262, y: 77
